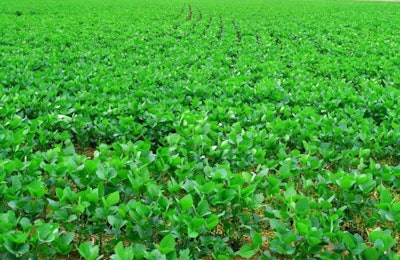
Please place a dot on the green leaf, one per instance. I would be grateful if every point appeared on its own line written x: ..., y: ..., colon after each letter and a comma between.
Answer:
x: 25, y: 223
x: 47, y: 232
x: 257, y: 240
x: 186, y: 202
x: 347, y: 182
x: 143, y: 210
x: 348, y: 240
x: 91, y: 166
x: 302, y: 228
x: 13, y: 166
x: 197, y: 222
x: 185, y: 254
x: 19, y: 238
x: 167, y: 244
x: 276, y: 224
x: 195, y: 226
x: 358, y: 248
x: 16, y: 249
x: 116, y: 221
x: 212, y: 222
x: 203, y: 209
x: 122, y: 253
x: 37, y: 189
x: 375, y: 235
x: 8, y: 220
x: 111, y: 199
x: 379, y: 244
x: 153, y: 190
x: 139, y: 251
x: 163, y: 203
x: 281, y: 247
x: 289, y: 237
x: 303, y: 205
x: 387, y: 239
x: 314, y: 240
x: 88, y: 251
x: 248, y: 191
x: 285, y: 169
x: 192, y: 233
x: 371, y: 254
x: 62, y: 244
x: 384, y: 195
x: 247, y: 251
x: 290, y: 192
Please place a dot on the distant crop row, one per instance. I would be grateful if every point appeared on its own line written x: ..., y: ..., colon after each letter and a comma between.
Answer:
x: 264, y: 129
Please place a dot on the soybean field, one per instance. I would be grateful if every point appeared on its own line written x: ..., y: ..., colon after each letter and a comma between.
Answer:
x: 199, y: 129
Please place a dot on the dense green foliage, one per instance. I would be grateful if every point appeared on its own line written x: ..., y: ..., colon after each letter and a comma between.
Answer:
x: 164, y: 129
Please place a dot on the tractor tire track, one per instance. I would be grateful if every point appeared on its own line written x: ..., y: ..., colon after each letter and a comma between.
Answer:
x: 208, y: 25
x: 221, y: 28
x: 258, y: 39
x: 197, y: 21
x: 181, y: 12
x: 237, y: 32
x: 190, y: 15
